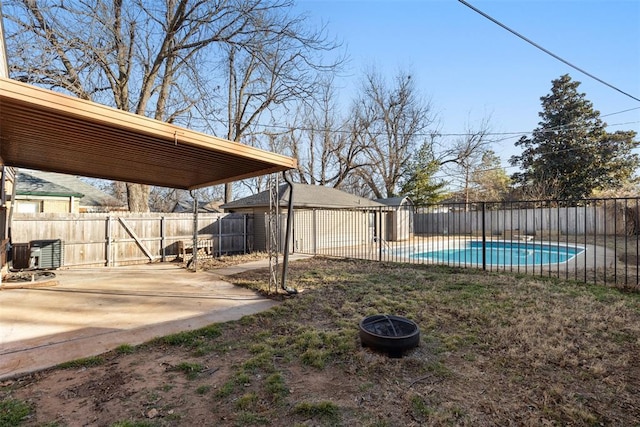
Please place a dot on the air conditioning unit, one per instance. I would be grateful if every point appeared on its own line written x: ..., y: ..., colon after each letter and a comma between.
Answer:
x: 46, y: 254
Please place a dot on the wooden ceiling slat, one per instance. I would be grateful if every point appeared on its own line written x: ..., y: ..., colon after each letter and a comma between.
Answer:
x: 41, y: 129
x: 93, y: 139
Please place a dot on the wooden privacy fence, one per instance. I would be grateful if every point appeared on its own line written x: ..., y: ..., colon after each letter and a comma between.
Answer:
x: 601, y: 217
x: 134, y: 238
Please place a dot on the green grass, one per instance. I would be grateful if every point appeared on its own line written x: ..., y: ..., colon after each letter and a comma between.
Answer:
x: 246, y: 401
x: 133, y: 424
x: 226, y: 390
x: 190, y: 369
x: 203, y: 389
x: 193, y: 339
x: 125, y: 349
x: 13, y: 412
x: 276, y: 387
x: 326, y: 411
x: 420, y: 408
x: 86, y: 362
x: 245, y: 418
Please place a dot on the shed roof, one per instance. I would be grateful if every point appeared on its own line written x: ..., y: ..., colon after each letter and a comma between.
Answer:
x: 395, y: 201
x: 45, y: 130
x: 304, y: 196
x: 39, y: 183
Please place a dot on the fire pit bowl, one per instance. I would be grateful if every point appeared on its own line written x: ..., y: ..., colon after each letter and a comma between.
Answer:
x: 388, y: 333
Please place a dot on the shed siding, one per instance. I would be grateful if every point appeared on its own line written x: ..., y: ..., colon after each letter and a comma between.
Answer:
x: 318, y: 229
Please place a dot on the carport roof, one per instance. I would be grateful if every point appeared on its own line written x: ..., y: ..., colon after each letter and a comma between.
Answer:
x: 45, y: 130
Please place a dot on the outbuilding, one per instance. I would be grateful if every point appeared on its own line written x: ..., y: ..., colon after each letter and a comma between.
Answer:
x: 352, y: 218
x: 398, y: 218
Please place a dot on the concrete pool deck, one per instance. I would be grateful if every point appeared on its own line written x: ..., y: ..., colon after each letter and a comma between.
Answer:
x: 88, y: 311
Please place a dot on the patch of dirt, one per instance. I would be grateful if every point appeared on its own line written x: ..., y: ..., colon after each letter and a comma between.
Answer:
x: 149, y: 388
x: 230, y: 260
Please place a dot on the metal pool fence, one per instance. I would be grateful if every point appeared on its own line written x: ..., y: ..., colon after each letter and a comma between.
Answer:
x: 604, y: 232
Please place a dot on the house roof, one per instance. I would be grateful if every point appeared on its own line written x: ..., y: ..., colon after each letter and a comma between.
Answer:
x: 304, y: 196
x: 39, y: 183
x: 395, y: 201
x: 45, y: 130
x: 204, y: 207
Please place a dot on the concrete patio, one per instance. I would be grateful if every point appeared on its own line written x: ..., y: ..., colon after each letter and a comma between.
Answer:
x: 90, y: 311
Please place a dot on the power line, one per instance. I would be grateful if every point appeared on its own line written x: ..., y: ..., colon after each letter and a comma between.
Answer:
x: 506, y: 135
x: 548, y: 52
x: 340, y: 129
x: 620, y: 112
x: 462, y: 174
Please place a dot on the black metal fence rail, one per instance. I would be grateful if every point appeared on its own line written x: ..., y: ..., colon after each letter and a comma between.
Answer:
x: 594, y: 241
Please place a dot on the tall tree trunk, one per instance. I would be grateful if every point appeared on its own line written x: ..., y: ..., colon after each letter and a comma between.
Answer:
x: 138, y: 197
x: 228, y: 192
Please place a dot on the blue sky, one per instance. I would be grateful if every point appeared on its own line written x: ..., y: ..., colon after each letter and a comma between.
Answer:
x: 471, y: 68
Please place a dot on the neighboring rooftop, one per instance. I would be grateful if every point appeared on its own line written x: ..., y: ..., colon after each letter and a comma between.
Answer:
x: 204, y: 207
x: 39, y: 183
x: 304, y: 196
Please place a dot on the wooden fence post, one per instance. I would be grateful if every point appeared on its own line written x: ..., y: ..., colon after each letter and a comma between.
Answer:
x: 220, y: 235
x: 108, y: 248
x: 245, y: 220
x: 163, y: 238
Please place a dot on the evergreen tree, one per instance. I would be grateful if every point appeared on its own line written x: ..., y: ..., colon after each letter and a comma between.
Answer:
x: 570, y: 154
x: 419, y: 183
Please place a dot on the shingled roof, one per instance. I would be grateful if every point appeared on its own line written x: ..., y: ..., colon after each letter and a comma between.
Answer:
x: 304, y: 196
x: 183, y: 206
x: 39, y: 183
x: 395, y: 201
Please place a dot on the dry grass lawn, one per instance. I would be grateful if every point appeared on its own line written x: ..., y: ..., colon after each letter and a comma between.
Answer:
x: 496, y: 349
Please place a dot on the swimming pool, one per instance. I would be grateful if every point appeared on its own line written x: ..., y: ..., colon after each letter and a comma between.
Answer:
x: 503, y: 253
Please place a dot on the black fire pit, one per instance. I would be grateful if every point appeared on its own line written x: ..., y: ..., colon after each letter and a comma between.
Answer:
x: 390, y: 334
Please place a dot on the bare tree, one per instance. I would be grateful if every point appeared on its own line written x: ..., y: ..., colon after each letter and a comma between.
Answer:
x: 152, y: 57
x: 549, y: 187
x: 162, y: 199
x: 327, y: 148
x: 274, y: 66
x: 489, y: 180
x: 390, y: 121
x: 465, y: 156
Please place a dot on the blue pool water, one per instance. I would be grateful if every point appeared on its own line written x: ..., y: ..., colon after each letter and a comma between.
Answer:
x: 504, y: 254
